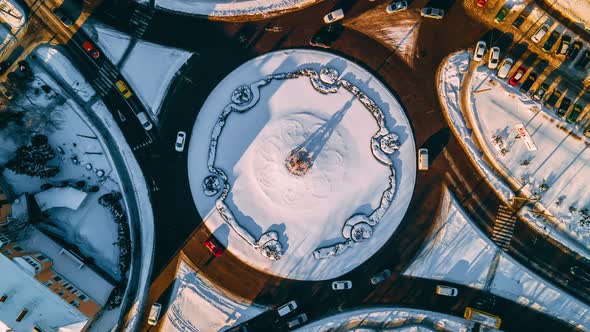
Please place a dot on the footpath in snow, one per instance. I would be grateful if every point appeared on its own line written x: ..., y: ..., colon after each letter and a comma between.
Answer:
x: 458, y: 252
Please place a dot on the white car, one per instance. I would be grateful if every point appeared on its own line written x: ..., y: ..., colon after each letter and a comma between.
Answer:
x: 154, y: 314
x: 287, y: 308
x: 297, y: 321
x: 480, y: 51
x: 430, y: 12
x: 180, y: 139
x: 396, y: 6
x: 145, y: 122
x: 334, y: 16
x: 494, y: 58
x: 423, y: 159
x: 341, y: 285
x: 540, y: 33
x: 505, y: 67
x: 446, y: 290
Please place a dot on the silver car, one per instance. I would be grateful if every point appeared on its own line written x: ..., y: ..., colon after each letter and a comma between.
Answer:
x: 380, y: 277
x: 341, y: 285
x: 505, y: 67
x: 287, y: 308
x: 396, y: 6
x: 430, y: 12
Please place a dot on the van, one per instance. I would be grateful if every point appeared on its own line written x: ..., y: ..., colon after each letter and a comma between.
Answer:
x: 145, y: 122
x: 423, y: 159
x: 154, y: 314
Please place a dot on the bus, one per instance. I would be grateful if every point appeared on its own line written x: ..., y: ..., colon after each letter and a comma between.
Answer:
x: 483, y: 318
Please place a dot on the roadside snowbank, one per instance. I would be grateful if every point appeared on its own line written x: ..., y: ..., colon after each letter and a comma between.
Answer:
x: 578, y: 11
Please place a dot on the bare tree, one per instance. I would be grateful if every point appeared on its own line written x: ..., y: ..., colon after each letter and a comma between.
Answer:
x: 17, y: 229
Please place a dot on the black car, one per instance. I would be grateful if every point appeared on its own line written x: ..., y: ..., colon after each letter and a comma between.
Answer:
x: 4, y: 65
x: 564, y: 106
x: 573, y: 116
x: 553, y: 37
x: 578, y: 272
x: 564, y: 45
x: 519, y: 20
x: 62, y: 16
x: 326, y: 35
x: 540, y: 93
x: 550, y: 102
x: 525, y: 87
x: 573, y: 51
x: 583, y: 61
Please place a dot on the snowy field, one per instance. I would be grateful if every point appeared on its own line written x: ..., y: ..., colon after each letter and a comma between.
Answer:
x: 511, y: 280
x: 576, y: 10
x: 197, y: 305
x: 390, y: 319
x: 149, y: 68
x: 306, y: 211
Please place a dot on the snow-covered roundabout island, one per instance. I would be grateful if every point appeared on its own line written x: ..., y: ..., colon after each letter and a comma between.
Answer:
x: 302, y: 164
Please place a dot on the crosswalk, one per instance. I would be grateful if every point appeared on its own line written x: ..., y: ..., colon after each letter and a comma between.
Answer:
x: 103, y: 82
x: 140, y: 20
x: 503, y: 227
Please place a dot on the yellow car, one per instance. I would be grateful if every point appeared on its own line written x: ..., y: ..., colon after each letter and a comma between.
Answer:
x: 123, y: 89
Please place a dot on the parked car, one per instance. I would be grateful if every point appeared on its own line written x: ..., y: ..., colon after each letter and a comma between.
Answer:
x: 502, y: 14
x: 564, y: 45
x: 553, y: 37
x: 578, y: 271
x: 298, y: 320
x: 180, y: 140
x: 5, y: 91
x: 482, y: 3
x: 480, y: 51
x: 123, y: 89
x: 538, y: 95
x: 423, y: 159
x: 214, y: 246
x: 326, y: 35
x: 494, y: 58
x: 528, y: 83
x: 573, y: 50
x: 287, y: 308
x: 334, y: 16
x: 587, y: 132
x: 517, y: 76
x: 91, y: 49
x: 575, y: 113
x: 541, y: 32
x: 144, y: 120
x: 154, y: 314
x: 583, y: 62
x: 552, y: 100
x: 341, y: 285
x: 564, y: 106
x: 380, y: 277
x: 505, y: 67
x: 446, y: 290
x: 396, y: 6
x: 519, y: 20
x: 431, y: 12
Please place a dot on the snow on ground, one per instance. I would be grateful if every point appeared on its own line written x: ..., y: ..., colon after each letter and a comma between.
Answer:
x: 390, y: 319
x: 455, y: 251
x: 12, y: 13
x: 149, y: 68
x: 307, y: 211
x: 578, y: 11
x: 510, y: 280
x: 197, y: 305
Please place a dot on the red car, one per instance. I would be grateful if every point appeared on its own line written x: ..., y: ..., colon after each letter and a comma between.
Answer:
x: 482, y: 3
x: 91, y: 49
x: 518, y: 74
x: 214, y: 247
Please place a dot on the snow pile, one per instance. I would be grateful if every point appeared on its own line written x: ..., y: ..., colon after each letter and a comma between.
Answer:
x: 578, y: 11
x: 197, y: 305
x: 390, y: 319
x: 307, y: 211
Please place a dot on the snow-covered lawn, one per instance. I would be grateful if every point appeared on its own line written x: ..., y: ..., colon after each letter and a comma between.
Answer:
x: 198, y: 305
x: 149, y: 68
x: 510, y: 280
x: 346, y: 179
x: 576, y: 10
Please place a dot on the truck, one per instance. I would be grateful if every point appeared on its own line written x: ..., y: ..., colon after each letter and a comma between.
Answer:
x: 482, y: 317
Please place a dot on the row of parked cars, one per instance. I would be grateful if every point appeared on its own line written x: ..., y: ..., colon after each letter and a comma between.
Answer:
x: 394, y: 7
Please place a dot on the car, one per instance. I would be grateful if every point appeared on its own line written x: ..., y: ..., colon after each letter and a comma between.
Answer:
x: 298, y: 320
x: 91, y: 49
x: 587, y: 132
x: 380, y: 277
x: 287, y: 308
x: 446, y: 290
x: 564, y: 106
x: 583, y: 62
x: 480, y: 50
x: 144, y: 120
x: 553, y: 37
x: 334, y: 16
x: 519, y: 20
x: 502, y: 14
x: 528, y: 83
x: 123, y: 89
x: 579, y: 272
x: 482, y: 3
x: 573, y: 50
x: 25, y: 69
x: 214, y: 246
x: 564, y: 45
x: 431, y: 12
x: 553, y: 98
x: 576, y: 111
x: 154, y: 314
x: 180, y: 140
x: 341, y: 285
x: 326, y: 35
x: 62, y: 16
x: 541, y: 32
x: 538, y: 95
x: 396, y: 6
x: 518, y: 74
x: 505, y: 67
x: 4, y: 65
x: 423, y: 159
x: 5, y: 91
x: 494, y: 58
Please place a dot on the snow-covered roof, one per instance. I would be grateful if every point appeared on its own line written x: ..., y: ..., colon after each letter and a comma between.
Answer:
x: 46, y: 309
x: 12, y: 13
x: 75, y: 327
x: 67, y: 197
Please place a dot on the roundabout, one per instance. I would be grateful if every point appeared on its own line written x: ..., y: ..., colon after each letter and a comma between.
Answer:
x: 305, y: 185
